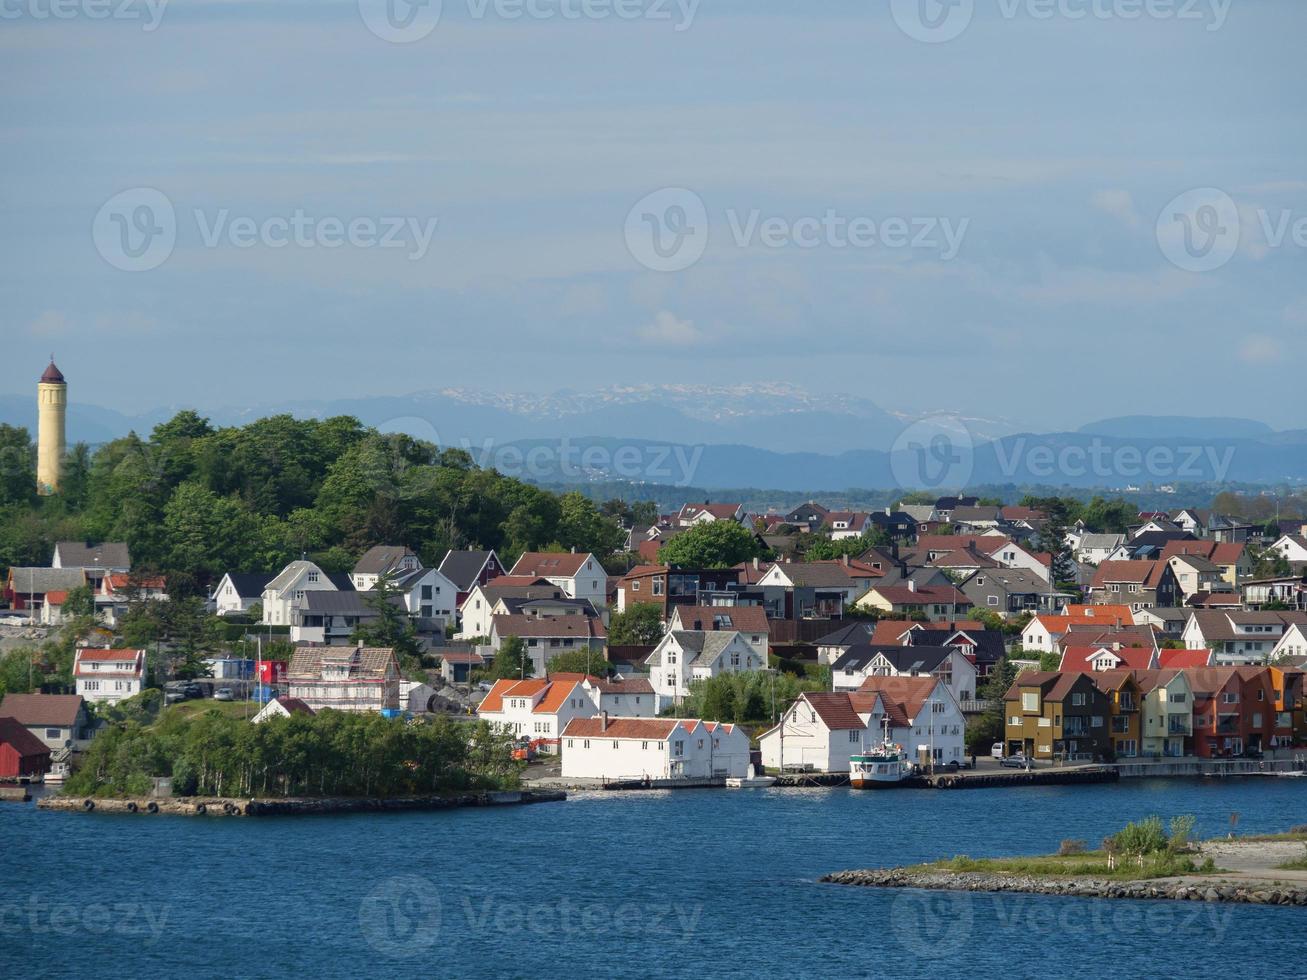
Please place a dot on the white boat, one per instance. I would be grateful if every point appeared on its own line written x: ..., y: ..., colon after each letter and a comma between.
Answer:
x: 882, y: 767
x: 751, y: 781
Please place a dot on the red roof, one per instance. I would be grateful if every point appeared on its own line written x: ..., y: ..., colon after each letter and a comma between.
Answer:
x: 57, y: 598
x: 1173, y: 659
x: 548, y: 563
x: 26, y: 744
x: 52, y: 375
x: 1141, y: 572
x: 746, y: 619
x: 1078, y: 657
x: 908, y: 693
x: 655, y: 729
x: 835, y: 709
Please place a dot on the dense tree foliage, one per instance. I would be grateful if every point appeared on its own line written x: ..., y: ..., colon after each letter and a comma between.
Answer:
x: 755, y: 698
x: 717, y: 544
x: 640, y: 624
x: 584, y: 661
x: 332, y: 753
x: 193, y: 501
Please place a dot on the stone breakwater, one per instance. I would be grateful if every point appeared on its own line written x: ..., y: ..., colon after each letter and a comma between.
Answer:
x: 296, y: 806
x: 1186, y: 889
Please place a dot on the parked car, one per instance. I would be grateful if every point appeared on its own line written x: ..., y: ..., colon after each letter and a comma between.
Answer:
x: 224, y: 694
x: 1017, y: 761
x: 996, y: 750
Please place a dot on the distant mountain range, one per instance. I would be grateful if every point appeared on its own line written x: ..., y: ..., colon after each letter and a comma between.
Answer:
x: 771, y: 435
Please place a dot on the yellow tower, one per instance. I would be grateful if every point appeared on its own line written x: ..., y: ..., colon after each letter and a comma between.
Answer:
x: 51, y: 407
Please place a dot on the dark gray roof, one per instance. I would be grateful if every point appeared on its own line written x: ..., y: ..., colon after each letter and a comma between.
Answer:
x: 520, y: 604
x: 381, y: 558
x: 848, y: 636
x: 250, y: 585
x: 42, y: 580
x: 921, y: 659
x: 463, y: 567
x: 80, y: 554
x: 331, y: 603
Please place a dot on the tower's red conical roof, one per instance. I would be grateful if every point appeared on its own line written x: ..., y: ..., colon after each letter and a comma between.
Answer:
x: 52, y: 376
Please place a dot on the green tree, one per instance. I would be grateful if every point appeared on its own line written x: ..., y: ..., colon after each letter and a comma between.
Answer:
x: 17, y: 466
x: 512, y: 661
x: 988, y: 727
x: 391, y: 626
x: 640, y: 624
x: 717, y: 544
x: 583, y: 661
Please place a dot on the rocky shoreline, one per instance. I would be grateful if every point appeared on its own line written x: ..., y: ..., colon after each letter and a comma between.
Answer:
x: 295, y: 806
x: 1267, y: 892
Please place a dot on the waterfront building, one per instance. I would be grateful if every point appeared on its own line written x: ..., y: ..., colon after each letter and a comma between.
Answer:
x: 107, y: 676
x: 622, y: 749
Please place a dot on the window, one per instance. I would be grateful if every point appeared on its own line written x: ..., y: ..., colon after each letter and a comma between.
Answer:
x: 658, y: 586
x: 585, y: 744
x: 615, y: 744
x: 635, y: 586
x: 569, y: 743
x: 853, y: 735
x: 645, y: 746
x: 1029, y: 700
x: 52, y: 733
x: 313, y: 577
x: 1078, y: 699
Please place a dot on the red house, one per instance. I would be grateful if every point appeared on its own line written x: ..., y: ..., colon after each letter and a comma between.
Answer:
x: 21, y: 753
x: 1235, y: 711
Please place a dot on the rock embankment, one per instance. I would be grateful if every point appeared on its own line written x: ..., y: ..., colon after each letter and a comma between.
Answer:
x: 1187, y: 889
x: 295, y: 806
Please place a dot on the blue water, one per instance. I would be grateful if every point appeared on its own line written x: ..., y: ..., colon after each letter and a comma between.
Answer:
x: 708, y: 883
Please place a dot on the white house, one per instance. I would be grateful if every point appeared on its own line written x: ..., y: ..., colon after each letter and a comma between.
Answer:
x: 821, y: 730
x: 108, y: 675
x: 627, y: 697
x: 237, y: 592
x: 749, y: 621
x: 428, y: 594
x: 612, y: 749
x: 1237, y: 636
x: 1095, y: 548
x: 94, y: 560
x: 580, y: 576
x: 546, y: 637
x: 382, y: 559
x: 282, y: 707
x: 1293, y: 644
x: 1291, y: 547
x: 682, y: 656
x: 538, y: 708
x: 285, y: 593
x: 946, y: 664
x: 477, y: 611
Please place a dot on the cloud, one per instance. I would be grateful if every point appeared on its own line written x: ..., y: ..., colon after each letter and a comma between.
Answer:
x: 50, y: 323
x: 667, y: 328
x: 1119, y: 204
x: 1259, y: 349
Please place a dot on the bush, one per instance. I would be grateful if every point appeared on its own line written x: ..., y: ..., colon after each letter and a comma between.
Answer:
x: 1182, y: 831
x: 1071, y: 846
x: 1147, y: 836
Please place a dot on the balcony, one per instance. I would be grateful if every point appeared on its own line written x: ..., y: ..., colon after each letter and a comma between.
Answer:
x: 1179, y: 725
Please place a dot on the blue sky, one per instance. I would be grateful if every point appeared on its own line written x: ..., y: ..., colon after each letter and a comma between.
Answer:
x: 1052, y: 143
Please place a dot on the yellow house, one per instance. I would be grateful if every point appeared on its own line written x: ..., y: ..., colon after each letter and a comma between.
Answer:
x: 1167, y: 717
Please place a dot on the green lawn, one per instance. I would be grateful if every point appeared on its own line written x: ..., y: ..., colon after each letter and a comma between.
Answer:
x: 1089, y: 864
x: 231, y: 709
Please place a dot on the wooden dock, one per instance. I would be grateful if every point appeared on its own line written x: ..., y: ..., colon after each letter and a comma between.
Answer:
x: 1078, y: 775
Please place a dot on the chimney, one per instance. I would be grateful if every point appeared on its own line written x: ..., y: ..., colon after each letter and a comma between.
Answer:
x: 889, y: 512
x: 755, y: 563
x: 603, y: 722
x: 912, y: 585
x: 846, y: 561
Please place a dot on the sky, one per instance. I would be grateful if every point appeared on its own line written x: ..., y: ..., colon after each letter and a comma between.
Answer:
x: 1046, y: 210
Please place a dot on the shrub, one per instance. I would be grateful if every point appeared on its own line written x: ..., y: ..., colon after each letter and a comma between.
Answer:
x: 1143, y: 837
x: 1182, y: 831
x: 1071, y: 846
